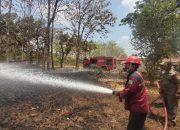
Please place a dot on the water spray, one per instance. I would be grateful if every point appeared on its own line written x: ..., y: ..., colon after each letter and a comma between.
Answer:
x: 17, y: 73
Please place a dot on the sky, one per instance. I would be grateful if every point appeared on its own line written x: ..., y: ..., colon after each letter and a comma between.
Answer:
x: 121, y: 34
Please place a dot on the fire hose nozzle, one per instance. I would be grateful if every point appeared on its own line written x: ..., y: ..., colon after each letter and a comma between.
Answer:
x: 114, y: 92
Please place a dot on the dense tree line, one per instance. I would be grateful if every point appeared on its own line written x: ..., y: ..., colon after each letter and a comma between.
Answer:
x: 29, y: 29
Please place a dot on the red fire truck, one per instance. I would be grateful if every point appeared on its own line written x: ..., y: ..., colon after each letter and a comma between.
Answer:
x: 107, y: 63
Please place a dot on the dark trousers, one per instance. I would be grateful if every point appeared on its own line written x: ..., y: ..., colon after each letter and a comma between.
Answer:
x: 136, y: 121
x: 171, y: 103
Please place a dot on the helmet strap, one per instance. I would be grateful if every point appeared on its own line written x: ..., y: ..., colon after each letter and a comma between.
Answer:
x: 131, y: 68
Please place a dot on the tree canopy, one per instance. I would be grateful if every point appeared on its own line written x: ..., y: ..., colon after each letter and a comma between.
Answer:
x: 28, y: 27
x: 155, y: 28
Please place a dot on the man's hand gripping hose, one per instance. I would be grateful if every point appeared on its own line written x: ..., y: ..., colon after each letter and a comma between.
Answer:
x: 117, y: 93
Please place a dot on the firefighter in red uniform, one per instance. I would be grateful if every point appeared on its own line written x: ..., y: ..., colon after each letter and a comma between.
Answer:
x: 134, y: 94
x: 86, y: 62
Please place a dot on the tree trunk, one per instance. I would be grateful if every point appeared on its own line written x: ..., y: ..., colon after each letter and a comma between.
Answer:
x: 0, y: 7
x: 61, y: 55
x: 14, y: 53
x: 10, y: 6
x: 77, y: 57
x: 22, y: 55
x: 49, y: 21
x: 7, y: 54
x: 48, y: 47
x: 78, y: 43
x: 7, y: 28
x: 62, y: 60
x: 86, y: 50
x: 47, y: 43
x: 31, y: 57
x: 52, y: 39
x: 37, y: 53
x: 44, y: 58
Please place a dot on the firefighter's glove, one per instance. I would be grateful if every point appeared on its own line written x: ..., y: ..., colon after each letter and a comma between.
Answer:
x: 116, y: 93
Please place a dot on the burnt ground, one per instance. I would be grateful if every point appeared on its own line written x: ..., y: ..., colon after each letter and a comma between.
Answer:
x: 26, y: 106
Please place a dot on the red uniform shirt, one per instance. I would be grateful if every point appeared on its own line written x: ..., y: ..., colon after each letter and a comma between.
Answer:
x: 86, y: 62
x: 135, y: 93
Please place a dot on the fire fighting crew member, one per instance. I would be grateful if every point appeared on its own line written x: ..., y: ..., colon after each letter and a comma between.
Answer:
x: 134, y: 94
x: 169, y: 90
x: 86, y: 62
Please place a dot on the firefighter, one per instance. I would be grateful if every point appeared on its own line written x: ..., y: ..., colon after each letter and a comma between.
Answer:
x: 169, y: 90
x: 134, y: 94
x: 86, y: 62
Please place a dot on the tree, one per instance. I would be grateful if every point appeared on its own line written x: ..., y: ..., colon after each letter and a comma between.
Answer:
x: 25, y: 32
x: 64, y: 46
x: 86, y: 18
x: 49, y: 8
x: 88, y: 47
x: 39, y: 35
x: 109, y: 48
x: 3, y: 36
x: 7, y: 30
x: 153, y: 24
x: 52, y: 9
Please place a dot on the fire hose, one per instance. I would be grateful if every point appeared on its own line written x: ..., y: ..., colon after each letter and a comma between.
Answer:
x: 165, y: 109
